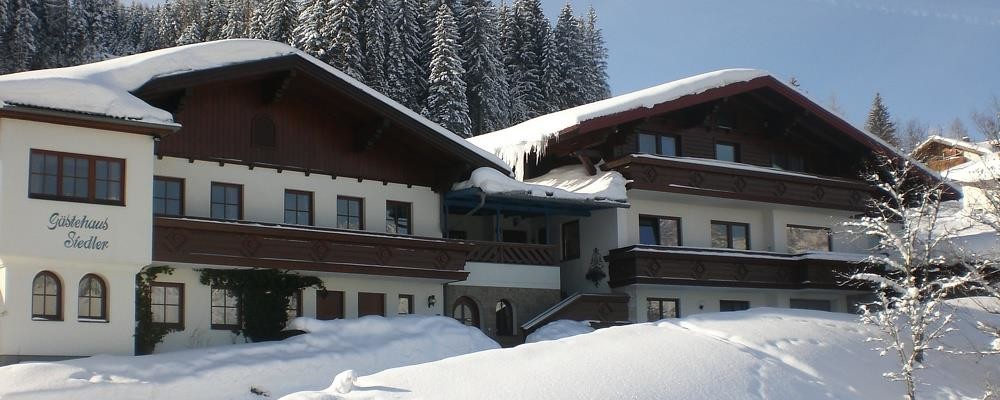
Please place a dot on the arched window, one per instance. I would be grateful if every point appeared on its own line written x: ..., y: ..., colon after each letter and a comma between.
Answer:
x: 466, y: 311
x: 505, y: 318
x: 46, y: 297
x: 92, y: 303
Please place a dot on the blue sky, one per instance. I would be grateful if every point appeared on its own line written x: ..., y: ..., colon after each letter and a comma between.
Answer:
x: 931, y: 59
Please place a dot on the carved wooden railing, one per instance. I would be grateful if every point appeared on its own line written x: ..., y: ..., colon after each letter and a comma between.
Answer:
x: 513, y: 253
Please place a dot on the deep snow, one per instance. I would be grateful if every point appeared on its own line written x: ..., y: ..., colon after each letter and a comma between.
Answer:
x: 365, y: 345
x: 568, y: 183
x: 560, y: 329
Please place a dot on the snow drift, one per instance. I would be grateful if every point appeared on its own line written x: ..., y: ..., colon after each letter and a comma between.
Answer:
x: 567, y: 183
x: 762, y: 353
x: 365, y: 345
x: 560, y: 329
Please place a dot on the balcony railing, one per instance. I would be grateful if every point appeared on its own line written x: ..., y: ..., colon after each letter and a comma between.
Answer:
x: 724, y: 267
x: 740, y: 181
x: 513, y: 253
x: 256, y: 245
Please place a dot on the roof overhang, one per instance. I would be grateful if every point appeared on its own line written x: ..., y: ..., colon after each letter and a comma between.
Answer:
x: 86, y: 120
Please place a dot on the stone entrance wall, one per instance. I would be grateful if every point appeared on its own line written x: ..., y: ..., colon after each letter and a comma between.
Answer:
x: 527, y: 303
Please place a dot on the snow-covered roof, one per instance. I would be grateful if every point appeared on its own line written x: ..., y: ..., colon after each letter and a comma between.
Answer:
x: 105, y: 88
x: 565, y: 183
x: 511, y: 144
x: 978, y: 148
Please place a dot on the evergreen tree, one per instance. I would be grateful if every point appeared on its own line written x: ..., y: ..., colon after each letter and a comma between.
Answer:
x: 879, y: 122
x: 306, y: 36
x: 342, y: 29
x: 375, y: 42
x: 485, y: 77
x: 566, y: 64
x: 23, y: 46
x: 396, y: 85
x: 594, y: 80
x: 518, y: 110
x: 405, y: 63
x: 168, y: 26
x: 6, y: 11
x: 52, y: 38
x: 214, y: 16
x: 446, y: 101
x: 274, y: 20
x: 236, y: 19
x: 80, y: 47
x: 191, y: 34
x: 532, y: 33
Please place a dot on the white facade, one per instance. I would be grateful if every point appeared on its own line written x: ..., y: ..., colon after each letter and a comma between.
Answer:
x: 31, y: 241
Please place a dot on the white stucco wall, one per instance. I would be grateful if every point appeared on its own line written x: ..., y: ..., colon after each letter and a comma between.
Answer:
x: 511, y: 275
x: 197, y: 303
x: 264, y: 194
x: 28, y: 244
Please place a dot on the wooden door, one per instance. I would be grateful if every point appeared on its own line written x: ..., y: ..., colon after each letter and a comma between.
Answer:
x: 329, y: 304
x: 371, y: 304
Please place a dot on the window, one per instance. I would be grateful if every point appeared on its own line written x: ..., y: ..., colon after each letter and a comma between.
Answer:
x: 168, y: 196
x: 405, y: 304
x: 167, y: 304
x: 808, y: 238
x: 350, y: 213
x: 294, y: 305
x: 504, y: 318
x: 657, y: 309
x: 664, y: 231
x: 727, y: 151
x: 810, y: 304
x: 225, y: 314
x: 732, y: 235
x: 571, y: 240
x: 397, y: 217
x: 227, y: 201
x: 92, y: 302
x: 298, y: 207
x: 371, y: 304
x: 46, y: 297
x: 76, y: 177
x: 733, y: 305
x: 788, y: 162
x: 651, y: 143
x: 466, y: 311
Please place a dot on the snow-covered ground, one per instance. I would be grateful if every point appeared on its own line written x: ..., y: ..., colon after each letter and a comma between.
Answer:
x: 365, y: 345
x: 762, y: 353
x: 558, y: 330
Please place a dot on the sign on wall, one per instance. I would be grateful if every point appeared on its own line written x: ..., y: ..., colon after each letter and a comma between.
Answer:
x: 82, y: 231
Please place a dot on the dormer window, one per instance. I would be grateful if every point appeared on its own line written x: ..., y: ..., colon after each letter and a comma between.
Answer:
x: 660, y: 144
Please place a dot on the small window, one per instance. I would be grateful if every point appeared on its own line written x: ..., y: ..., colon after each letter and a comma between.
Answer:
x: 224, y: 310
x: 298, y: 207
x: 46, y: 297
x: 504, y: 318
x: 294, y: 305
x: 808, y: 238
x: 732, y: 235
x: 227, y: 201
x: 92, y: 302
x: 350, y: 213
x: 727, y: 152
x: 397, y: 217
x: 466, y: 311
x: 733, y: 305
x: 571, y: 240
x: 657, y: 309
x: 665, y: 145
x: 664, y: 231
x: 168, y: 196
x: 262, y: 132
x: 405, y: 305
x: 167, y: 304
x: 811, y: 304
x: 76, y: 177
x: 788, y: 162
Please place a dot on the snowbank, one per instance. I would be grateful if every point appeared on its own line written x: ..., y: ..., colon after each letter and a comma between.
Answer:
x: 556, y: 330
x: 762, y: 353
x: 365, y: 345
x: 568, y: 183
x: 511, y: 144
x: 104, y: 88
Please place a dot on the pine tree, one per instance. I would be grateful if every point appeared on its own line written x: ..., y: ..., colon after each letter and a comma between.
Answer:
x: 565, y: 62
x: 375, y: 42
x: 485, y: 77
x: 52, y: 34
x: 532, y: 33
x: 23, y: 46
x: 191, y: 34
x: 518, y: 110
x: 306, y: 36
x: 236, y: 19
x: 405, y: 59
x: 6, y: 11
x: 880, y: 123
x: 343, y: 29
x: 446, y: 101
x: 594, y: 80
x: 214, y: 18
x: 274, y: 20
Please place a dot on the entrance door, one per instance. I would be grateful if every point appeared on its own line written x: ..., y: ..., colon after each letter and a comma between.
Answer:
x: 371, y: 304
x: 329, y: 304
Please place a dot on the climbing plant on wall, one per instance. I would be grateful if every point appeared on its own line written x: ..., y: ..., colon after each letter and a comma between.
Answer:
x: 147, y: 334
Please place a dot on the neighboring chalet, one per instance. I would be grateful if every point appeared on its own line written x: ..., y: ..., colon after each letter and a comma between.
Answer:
x: 737, y: 185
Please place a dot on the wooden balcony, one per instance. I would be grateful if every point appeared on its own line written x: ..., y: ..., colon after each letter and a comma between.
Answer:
x: 513, y: 253
x: 242, y: 244
x: 642, y: 264
x: 740, y: 181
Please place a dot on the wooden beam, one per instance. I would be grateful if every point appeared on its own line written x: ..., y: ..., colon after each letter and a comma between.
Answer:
x: 587, y: 163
